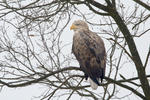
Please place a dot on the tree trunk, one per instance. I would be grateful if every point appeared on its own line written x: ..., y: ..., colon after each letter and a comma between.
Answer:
x: 135, y: 55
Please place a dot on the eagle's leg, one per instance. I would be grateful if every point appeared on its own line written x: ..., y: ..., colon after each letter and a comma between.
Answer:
x: 102, y: 76
x: 86, y: 76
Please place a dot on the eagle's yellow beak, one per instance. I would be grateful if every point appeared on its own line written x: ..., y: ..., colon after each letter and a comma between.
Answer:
x: 72, y: 27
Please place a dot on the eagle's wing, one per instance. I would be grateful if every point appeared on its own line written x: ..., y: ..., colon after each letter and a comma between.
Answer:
x: 89, y: 50
x: 96, y: 46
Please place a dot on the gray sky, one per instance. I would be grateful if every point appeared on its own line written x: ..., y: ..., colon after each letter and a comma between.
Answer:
x: 29, y: 92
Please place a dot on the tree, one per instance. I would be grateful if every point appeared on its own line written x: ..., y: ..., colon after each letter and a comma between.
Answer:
x: 32, y: 50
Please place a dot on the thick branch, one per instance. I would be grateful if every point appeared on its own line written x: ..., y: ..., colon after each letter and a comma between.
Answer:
x: 126, y: 87
x: 41, y: 78
x: 97, y: 12
x: 142, y: 4
x: 135, y: 55
x: 98, y: 5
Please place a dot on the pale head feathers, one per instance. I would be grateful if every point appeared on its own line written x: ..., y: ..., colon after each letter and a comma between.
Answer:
x: 79, y: 25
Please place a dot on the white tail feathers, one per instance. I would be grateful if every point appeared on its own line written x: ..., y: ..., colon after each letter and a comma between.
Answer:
x: 94, y: 86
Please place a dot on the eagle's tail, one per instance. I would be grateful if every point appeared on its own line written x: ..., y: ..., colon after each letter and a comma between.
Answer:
x: 93, y: 84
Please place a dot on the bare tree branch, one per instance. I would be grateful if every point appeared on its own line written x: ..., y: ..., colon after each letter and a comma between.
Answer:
x: 142, y: 4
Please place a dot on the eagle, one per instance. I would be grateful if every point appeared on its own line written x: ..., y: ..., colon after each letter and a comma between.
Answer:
x: 89, y: 50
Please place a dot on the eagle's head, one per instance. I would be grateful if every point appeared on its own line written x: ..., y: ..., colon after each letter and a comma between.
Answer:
x: 79, y: 25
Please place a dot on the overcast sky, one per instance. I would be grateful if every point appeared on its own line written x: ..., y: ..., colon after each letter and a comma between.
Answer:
x: 30, y: 92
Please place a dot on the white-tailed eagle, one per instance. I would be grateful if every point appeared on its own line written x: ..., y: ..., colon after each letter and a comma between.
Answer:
x: 89, y: 50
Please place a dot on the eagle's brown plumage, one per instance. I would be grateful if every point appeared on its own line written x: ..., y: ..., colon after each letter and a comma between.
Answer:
x: 89, y: 50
